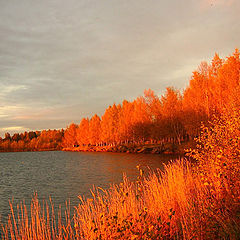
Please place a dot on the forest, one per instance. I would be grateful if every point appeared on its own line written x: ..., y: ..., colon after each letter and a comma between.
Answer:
x: 175, y: 117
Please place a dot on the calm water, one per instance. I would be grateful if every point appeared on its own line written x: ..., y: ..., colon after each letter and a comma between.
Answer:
x: 65, y: 175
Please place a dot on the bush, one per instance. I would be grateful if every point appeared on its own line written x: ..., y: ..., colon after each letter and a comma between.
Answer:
x: 218, y: 154
x: 218, y: 164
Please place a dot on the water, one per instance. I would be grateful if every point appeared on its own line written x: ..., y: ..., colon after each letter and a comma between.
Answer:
x: 65, y: 175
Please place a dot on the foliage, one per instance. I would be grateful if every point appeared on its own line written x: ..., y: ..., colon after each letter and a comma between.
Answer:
x: 33, y: 141
x: 172, y: 117
x: 218, y: 161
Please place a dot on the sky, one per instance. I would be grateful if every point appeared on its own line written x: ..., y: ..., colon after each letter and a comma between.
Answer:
x: 63, y: 60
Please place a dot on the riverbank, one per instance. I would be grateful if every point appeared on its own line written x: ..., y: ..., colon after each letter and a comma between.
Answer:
x: 31, y: 150
x: 163, y: 148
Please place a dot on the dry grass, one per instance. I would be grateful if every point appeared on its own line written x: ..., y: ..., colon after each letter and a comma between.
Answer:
x: 40, y: 224
x: 174, y: 204
x: 170, y: 205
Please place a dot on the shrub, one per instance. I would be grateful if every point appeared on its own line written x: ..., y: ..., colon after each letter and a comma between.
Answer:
x: 218, y: 164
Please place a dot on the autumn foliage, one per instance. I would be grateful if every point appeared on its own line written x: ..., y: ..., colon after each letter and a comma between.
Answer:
x: 190, y: 199
x: 173, y: 117
x: 218, y: 164
x: 32, y: 141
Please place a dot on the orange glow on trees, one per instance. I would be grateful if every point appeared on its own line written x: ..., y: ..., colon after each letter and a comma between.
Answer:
x: 95, y: 130
x: 82, y: 133
x: 172, y: 117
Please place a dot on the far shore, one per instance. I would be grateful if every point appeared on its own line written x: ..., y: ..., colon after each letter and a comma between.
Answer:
x: 164, y: 148
x: 145, y: 148
x: 32, y: 150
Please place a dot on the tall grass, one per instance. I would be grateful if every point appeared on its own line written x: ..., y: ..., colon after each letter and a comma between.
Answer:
x: 174, y: 204
x: 170, y: 205
x: 41, y: 223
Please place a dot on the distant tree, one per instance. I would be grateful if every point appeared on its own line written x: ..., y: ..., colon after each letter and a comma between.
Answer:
x: 95, y: 130
x: 31, y: 135
x: 172, y: 114
x: 110, y: 124
x: 7, y: 136
x: 70, y: 133
x: 141, y: 120
x: 125, y: 122
x: 83, y: 132
x: 16, y: 137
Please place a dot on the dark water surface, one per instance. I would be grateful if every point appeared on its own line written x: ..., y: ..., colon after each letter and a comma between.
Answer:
x: 65, y: 175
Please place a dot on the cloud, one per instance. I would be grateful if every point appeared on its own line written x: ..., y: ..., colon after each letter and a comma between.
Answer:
x: 11, y: 89
x: 3, y: 115
x: 63, y: 60
x: 13, y: 129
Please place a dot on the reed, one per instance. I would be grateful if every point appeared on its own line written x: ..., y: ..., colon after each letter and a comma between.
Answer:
x: 174, y: 204
x: 41, y: 223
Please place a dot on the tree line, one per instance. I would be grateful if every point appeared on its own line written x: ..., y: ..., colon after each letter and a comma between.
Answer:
x: 173, y: 117
x: 33, y: 141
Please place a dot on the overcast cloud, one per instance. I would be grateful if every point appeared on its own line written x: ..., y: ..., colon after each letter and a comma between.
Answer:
x: 64, y: 60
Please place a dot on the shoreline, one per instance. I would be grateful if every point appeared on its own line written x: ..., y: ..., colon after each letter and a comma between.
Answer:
x: 165, y: 148
x: 34, y: 150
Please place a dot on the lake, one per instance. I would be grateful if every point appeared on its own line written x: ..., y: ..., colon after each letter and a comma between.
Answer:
x: 65, y: 175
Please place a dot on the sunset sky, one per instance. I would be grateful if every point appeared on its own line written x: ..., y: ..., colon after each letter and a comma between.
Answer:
x: 63, y: 60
